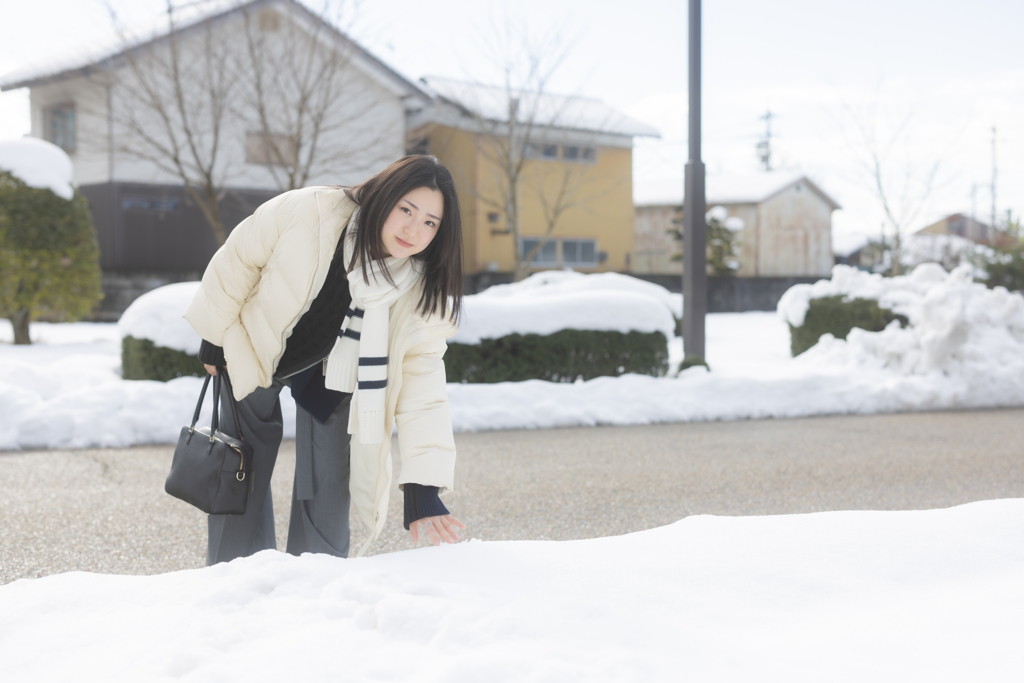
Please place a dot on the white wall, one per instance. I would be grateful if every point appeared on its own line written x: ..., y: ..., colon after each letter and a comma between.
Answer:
x: 364, y: 131
x: 90, y: 158
x: 795, y: 229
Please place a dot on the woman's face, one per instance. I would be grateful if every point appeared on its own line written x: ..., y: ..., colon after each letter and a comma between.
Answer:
x: 413, y: 222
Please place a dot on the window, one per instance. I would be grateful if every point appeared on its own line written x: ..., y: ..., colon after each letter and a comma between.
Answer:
x: 546, y: 256
x: 278, y: 150
x: 59, y: 126
x: 574, y: 154
x: 579, y: 253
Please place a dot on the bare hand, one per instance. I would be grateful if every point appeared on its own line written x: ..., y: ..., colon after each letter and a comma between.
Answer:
x: 441, y: 528
x: 212, y: 369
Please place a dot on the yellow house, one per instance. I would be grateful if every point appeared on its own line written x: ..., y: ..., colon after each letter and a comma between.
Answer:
x: 575, y: 177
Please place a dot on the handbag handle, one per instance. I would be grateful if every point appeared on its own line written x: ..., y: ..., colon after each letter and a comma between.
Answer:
x: 199, y: 405
x: 215, y: 422
x: 231, y: 401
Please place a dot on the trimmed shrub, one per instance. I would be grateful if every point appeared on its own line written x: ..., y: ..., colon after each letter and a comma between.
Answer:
x: 833, y: 315
x: 559, y: 357
x: 142, y: 359
x: 49, y: 256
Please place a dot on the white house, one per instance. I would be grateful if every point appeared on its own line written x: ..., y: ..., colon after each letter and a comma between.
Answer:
x: 787, y: 226
x: 242, y: 99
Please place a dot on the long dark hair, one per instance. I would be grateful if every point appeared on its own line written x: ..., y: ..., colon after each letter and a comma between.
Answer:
x: 442, y: 259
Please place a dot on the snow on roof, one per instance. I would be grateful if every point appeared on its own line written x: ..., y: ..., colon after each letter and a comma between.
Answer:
x: 559, y: 111
x: 748, y: 188
x: 85, y: 58
x: 96, y: 51
x: 38, y: 163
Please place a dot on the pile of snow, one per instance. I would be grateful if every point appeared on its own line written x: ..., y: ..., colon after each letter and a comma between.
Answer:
x: 66, y: 391
x: 838, y: 596
x: 958, y: 328
x: 39, y: 164
x: 552, y: 301
x: 156, y: 316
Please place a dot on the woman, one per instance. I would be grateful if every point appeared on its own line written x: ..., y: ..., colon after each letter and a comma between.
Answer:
x: 346, y: 295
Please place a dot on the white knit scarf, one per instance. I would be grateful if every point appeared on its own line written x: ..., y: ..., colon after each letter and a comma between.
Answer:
x: 358, y: 363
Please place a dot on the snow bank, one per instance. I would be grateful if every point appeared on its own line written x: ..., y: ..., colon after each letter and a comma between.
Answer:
x: 959, y: 330
x: 551, y: 301
x: 156, y: 316
x: 840, y: 596
x: 38, y: 163
x: 66, y: 391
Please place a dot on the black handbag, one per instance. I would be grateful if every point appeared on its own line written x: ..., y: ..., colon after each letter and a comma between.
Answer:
x: 211, y: 469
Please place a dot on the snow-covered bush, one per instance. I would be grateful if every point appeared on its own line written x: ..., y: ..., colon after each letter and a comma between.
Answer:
x: 957, y: 327
x: 560, y: 325
x: 49, y: 254
x: 156, y: 342
x: 837, y: 315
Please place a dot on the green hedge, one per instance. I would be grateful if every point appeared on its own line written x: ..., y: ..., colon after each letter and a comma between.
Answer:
x: 559, y: 357
x: 832, y: 314
x: 142, y: 359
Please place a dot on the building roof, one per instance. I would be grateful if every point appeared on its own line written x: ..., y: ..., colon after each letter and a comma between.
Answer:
x: 750, y: 188
x: 548, y: 110
x: 943, y: 223
x: 100, y: 57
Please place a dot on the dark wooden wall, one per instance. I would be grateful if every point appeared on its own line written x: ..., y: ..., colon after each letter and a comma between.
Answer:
x: 158, y: 228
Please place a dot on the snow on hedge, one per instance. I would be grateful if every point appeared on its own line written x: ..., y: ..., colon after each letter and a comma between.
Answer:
x: 39, y: 164
x: 552, y: 301
x: 839, y: 596
x: 959, y: 328
x: 156, y: 316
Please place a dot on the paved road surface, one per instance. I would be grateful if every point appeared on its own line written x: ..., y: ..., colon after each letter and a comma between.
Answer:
x: 105, y: 510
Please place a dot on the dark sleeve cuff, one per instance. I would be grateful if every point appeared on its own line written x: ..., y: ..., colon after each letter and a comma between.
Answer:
x: 211, y: 354
x: 420, y: 502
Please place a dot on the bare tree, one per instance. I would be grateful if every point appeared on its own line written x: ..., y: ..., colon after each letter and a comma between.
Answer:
x: 901, y: 186
x: 283, y: 72
x: 172, y: 108
x: 306, y: 101
x: 518, y: 120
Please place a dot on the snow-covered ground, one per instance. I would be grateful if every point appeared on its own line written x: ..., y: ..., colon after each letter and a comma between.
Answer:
x: 930, y: 595
x: 65, y: 390
x: 964, y: 348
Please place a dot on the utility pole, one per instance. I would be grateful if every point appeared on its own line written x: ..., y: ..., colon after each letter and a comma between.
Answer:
x: 974, y: 220
x: 764, y: 145
x: 695, y: 273
x: 993, y: 177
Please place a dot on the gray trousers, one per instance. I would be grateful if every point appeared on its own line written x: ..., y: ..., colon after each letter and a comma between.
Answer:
x: 320, y: 497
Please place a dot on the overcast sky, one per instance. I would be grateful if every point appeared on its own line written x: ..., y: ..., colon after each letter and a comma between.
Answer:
x: 947, y: 70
